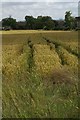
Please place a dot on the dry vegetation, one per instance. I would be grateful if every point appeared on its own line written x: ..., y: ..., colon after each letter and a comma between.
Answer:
x: 40, y: 74
x: 46, y: 60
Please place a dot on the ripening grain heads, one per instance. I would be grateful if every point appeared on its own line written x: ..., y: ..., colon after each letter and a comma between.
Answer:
x: 46, y: 60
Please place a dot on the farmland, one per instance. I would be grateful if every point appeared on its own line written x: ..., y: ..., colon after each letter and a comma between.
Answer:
x: 40, y: 74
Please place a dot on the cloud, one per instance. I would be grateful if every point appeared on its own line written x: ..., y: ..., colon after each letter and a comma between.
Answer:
x: 17, y: 3
x: 39, y: 1
x: 56, y: 10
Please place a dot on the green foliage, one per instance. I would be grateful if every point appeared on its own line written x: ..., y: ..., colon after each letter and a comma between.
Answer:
x: 29, y: 22
x: 69, y: 20
x: 42, y: 22
x: 9, y: 22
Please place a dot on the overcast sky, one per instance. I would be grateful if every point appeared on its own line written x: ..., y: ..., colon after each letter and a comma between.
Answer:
x: 54, y: 9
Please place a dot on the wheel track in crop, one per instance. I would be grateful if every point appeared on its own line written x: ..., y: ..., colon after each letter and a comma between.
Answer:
x: 30, y: 57
x: 57, y: 45
x: 56, y: 48
x: 31, y: 64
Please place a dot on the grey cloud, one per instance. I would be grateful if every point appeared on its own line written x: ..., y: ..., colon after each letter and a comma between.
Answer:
x: 56, y: 10
x: 9, y: 4
x: 40, y: 0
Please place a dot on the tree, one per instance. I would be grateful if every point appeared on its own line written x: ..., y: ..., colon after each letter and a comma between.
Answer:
x: 30, y: 20
x: 60, y: 24
x: 45, y: 22
x: 9, y: 22
x: 21, y: 25
x: 69, y: 20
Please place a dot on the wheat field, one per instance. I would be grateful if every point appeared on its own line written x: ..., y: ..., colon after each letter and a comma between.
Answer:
x: 40, y: 74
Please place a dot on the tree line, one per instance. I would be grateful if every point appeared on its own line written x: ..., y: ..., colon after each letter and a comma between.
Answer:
x: 41, y: 22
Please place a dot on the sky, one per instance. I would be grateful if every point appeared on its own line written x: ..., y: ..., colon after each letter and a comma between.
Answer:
x: 18, y: 9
